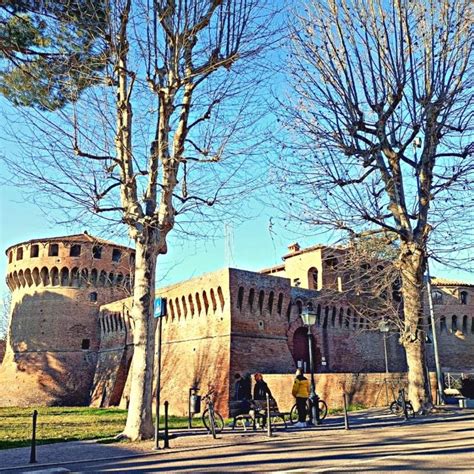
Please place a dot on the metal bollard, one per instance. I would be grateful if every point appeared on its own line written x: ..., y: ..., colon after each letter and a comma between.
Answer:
x: 166, y: 440
x: 33, y: 439
x: 346, y: 417
x: 404, y: 405
x: 269, y: 421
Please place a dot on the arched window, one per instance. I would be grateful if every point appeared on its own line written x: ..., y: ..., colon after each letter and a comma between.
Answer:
x: 326, y: 317
x: 75, y: 277
x: 84, y: 277
x: 333, y: 317
x: 198, y: 303
x: 280, y: 303
x: 102, y: 278
x: 463, y: 297
x: 93, y: 276
x: 240, y: 298
x: 299, y: 306
x: 221, y: 297
x: 64, y: 276
x: 437, y: 297
x: 54, y: 276
x: 454, y: 323
x: 35, y: 275
x: 464, y: 324
x: 206, y: 301
x: 53, y: 250
x: 213, y: 299
x: 313, y: 278
x: 75, y: 250
x: 44, y: 274
x: 442, y: 323
x: 347, y: 320
x: 270, y: 302
x: 191, y: 304
x: 185, y: 308
x: 251, y: 298
x: 261, y: 296
x: 178, y: 308
x: 28, y: 278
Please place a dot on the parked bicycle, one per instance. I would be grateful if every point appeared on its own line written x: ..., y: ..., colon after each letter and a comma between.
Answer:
x: 211, y: 418
x: 401, y: 406
x: 323, y: 410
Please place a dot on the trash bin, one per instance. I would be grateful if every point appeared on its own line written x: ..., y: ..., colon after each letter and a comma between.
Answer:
x: 195, y: 403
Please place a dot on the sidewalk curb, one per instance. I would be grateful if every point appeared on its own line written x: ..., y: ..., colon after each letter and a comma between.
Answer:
x: 298, y: 434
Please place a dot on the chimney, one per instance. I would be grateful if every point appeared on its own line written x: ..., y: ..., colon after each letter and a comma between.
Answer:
x: 294, y: 247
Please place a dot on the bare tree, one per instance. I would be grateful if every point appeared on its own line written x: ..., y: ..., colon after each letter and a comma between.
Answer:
x: 382, y: 111
x: 161, y: 134
x: 4, y: 314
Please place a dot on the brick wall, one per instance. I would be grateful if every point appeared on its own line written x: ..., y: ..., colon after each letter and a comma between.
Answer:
x: 363, y: 389
x: 51, y: 352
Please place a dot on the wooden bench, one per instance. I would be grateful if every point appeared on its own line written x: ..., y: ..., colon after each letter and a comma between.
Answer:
x: 258, y: 414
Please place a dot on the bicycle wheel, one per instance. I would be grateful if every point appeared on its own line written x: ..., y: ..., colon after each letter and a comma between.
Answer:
x: 323, y: 409
x: 218, y: 421
x: 395, y: 408
x: 294, y: 414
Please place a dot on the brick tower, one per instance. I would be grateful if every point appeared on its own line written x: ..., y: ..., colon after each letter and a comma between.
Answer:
x: 58, y: 285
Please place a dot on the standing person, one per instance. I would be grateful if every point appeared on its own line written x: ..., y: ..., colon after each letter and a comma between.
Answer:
x: 301, y: 392
x: 260, y: 389
x: 239, y: 388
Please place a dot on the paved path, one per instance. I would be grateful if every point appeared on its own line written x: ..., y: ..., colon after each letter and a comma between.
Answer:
x: 377, y: 442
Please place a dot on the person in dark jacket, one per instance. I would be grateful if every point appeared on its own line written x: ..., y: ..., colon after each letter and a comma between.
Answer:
x: 239, y: 388
x: 260, y: 389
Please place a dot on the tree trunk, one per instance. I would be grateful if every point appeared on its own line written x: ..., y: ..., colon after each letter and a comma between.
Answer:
x: 412, y: 267
x: 139, y: 421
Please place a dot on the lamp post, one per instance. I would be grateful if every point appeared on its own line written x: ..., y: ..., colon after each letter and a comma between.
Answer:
x: 309, y: 318
x: 439, y: 377
x: 384, y: 329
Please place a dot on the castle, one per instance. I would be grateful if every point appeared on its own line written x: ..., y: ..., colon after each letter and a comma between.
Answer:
x: 70, y: 334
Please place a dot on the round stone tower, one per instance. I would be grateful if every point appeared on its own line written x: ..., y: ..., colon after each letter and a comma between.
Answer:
x: 58, y: 285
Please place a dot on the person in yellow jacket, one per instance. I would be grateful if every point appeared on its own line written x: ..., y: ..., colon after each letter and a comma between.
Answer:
x: 301, y: 393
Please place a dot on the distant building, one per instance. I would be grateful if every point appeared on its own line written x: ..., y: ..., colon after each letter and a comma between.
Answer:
x: 70, y: 337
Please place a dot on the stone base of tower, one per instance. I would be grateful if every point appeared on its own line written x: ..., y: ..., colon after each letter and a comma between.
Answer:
x: 43, y: 378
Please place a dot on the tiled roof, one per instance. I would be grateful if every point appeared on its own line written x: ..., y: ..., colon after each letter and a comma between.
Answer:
x: 444, y: 282
x: 276, y: 268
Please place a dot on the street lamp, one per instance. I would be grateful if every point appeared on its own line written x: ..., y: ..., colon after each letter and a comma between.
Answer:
x: 309, y: 318
x: 384, y: 328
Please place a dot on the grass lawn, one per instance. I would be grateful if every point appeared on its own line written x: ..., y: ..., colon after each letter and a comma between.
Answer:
x: 56, y: 424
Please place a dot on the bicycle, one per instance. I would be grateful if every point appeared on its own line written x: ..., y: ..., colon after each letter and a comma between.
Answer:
x: 323, y: 410
x: 401, y: 406
x: 212, y: 419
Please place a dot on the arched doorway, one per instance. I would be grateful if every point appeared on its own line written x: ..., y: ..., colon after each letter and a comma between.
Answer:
x: 301, y: 349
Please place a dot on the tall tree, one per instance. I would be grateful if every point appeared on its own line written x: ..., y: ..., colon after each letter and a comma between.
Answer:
x: 382, y: 111
x: 160, y: 133
x: 50, y: 50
